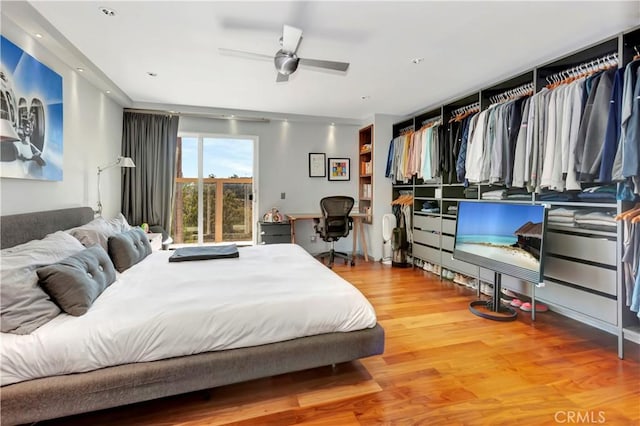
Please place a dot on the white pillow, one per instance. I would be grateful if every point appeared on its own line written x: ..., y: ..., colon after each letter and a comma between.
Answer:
x: 95, y: 232
x: 24, y: 306
x: 119, y: 223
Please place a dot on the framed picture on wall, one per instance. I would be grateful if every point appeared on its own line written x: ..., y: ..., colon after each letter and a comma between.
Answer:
x: 32, y: 103
x: 317, y: 164
x: 339, y: 168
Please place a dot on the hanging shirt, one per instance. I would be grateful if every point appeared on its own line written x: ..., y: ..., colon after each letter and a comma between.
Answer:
x: 594, y: 134
x: 612, y: 134
x: 631, y: 156
x: 627, y: 105
x: 388, y: 172
x: 519, y: 155
x: 475, y: 149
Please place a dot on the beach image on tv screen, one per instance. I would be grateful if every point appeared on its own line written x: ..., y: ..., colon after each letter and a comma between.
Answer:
x: 508, y: 233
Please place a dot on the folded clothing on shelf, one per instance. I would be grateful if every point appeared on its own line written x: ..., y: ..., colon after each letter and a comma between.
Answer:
x: 602, y: 220
x: 498, y: 194
x: 471, y: 192
x: 430, y: 207
x: 605, y: 193
x: 556, y: 196
x: 518, y: 194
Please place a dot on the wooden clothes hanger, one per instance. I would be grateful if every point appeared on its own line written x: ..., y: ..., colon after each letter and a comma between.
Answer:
x: 403, y: 200
x: 632, y: 213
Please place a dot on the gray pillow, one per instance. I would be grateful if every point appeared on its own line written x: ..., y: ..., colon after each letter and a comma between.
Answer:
x: 128, y: 248
x: 24, y: 305
x: 75, y: 282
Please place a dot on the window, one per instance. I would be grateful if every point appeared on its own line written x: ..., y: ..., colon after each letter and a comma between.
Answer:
x: 214, y: 190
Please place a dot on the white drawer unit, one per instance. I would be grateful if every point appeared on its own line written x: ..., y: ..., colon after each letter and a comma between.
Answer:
x: 448, y: 226
x: 593, y: 305
x: 447, y: 242
x: 591, y: 248
x: 426, y: 223
x: 427, y: 254
x: 581, y: 274
x: 429, y: 238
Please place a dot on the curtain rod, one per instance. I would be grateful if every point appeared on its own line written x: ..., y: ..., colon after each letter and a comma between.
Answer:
x: 200, y: 115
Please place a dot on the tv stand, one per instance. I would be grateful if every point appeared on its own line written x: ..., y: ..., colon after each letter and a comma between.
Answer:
x: 502, y: 313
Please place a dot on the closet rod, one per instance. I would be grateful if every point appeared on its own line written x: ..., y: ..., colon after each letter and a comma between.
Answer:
x: 431, y: 121
x: 467, y: 108
x: 524, y: 90
x: 603, y: 62
x: 405, y: 130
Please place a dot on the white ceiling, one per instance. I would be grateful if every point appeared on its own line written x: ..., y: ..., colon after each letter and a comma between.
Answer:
x: 465, y: 46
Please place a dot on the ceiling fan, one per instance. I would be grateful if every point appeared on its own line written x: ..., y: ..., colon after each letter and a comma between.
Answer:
x: 285, y: 59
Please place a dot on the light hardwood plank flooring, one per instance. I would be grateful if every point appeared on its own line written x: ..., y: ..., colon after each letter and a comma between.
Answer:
x: 442, y: 366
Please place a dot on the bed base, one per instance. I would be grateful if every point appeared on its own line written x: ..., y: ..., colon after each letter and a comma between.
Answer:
x: 60, y: 396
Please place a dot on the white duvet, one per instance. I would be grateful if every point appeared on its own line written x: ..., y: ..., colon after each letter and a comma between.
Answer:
x: 158, y: 310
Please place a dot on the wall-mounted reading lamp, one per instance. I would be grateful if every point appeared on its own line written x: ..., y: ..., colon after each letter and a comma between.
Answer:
x: 120, y: 162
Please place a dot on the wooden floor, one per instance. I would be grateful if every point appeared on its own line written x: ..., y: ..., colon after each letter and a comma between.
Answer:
x: 442, y: 366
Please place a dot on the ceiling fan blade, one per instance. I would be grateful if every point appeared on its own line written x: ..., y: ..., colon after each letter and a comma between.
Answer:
x: 332, y: 65
x: 281, y: 78
x: 291, y: 38
x: 243, y: 54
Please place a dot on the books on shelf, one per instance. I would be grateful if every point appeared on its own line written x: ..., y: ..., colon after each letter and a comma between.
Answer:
x: 366, y: 167
x: 367, y: 190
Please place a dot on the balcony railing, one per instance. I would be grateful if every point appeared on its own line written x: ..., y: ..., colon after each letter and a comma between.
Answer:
x: 227, y: 210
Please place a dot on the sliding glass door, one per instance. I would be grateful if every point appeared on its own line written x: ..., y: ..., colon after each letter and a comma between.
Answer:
x: 214, y: 190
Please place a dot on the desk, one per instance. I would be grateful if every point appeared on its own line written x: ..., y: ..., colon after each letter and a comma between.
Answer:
x: 357, y: 228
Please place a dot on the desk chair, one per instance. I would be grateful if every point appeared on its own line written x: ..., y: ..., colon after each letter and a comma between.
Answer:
x: 334, y: 224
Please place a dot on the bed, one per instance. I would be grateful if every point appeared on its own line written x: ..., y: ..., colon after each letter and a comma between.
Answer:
x: 81, y: 380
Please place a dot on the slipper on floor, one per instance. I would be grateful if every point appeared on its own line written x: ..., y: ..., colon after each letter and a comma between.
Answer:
x: 539, y: 307
x: 506, y: 293
x: 516, y: 302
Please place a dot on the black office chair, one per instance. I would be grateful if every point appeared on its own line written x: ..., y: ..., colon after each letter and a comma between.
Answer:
x: 334, y: 224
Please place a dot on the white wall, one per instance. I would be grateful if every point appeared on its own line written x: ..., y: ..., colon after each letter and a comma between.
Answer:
x: 92, y: 134
x: 283, y: 156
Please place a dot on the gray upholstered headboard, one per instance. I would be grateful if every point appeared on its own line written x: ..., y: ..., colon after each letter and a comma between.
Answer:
x: 20, y: 228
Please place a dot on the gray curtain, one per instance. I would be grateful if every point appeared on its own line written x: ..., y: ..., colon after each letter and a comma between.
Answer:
x: 147, y: 190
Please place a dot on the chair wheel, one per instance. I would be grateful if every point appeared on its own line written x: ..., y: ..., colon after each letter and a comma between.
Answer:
x: 353, y: 263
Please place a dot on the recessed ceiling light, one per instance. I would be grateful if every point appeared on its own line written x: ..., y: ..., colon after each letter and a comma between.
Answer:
x: 417, y: 60
x: 80, y: 69
x: 107, y: 92
x: 151, y: 74
x: 107, y: 11
x: 38, y: 35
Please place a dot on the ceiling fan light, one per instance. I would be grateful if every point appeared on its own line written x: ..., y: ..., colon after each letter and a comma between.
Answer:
x: 286, y: 63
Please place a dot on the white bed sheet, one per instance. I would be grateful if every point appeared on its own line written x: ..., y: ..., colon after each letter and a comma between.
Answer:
x: 158, y: 310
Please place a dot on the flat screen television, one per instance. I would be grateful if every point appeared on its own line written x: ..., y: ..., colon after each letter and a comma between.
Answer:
x: 507, y: 238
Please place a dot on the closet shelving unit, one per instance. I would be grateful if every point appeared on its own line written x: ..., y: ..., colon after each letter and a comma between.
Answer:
x: 365, y: 172
x: 583, y: 278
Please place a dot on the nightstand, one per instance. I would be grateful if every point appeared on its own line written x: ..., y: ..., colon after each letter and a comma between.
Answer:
x: 155, y: 240
x: 275, y: 232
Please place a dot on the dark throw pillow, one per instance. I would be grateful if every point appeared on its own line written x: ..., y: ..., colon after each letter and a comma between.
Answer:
x: 128, y: 248
x: 75, y: 282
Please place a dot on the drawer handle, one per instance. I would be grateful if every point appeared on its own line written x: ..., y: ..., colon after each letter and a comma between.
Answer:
x: 262, y: 233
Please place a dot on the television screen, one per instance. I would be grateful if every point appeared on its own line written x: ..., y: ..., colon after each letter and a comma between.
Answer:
x: 503, y: 237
